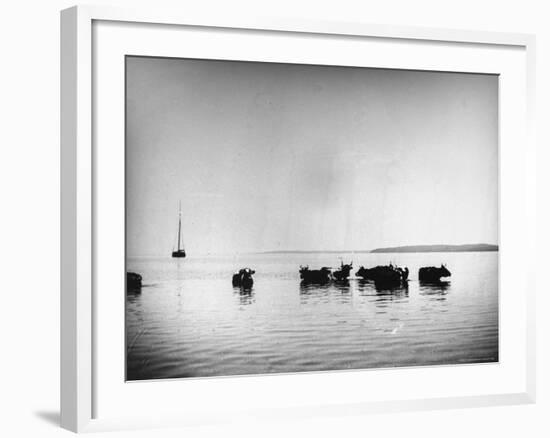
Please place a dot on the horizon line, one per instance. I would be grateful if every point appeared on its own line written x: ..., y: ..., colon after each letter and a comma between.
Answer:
x: 481, y: 247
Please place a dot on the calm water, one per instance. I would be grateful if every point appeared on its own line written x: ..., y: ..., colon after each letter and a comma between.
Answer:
x: 188, y: 320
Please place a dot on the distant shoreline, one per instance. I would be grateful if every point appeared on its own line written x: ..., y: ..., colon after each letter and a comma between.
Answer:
x: 472, y: 247
x: 477, y: 247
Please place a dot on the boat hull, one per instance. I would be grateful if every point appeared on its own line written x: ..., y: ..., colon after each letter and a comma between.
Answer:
x: 178, y: 254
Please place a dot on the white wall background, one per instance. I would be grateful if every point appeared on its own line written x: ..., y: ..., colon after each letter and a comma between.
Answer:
x: 29, y: 223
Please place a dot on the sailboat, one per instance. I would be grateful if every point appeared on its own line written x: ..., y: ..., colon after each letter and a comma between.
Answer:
x: 180, y: 252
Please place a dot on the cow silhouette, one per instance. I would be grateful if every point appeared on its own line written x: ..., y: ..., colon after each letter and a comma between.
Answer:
x: 315, y: 276
x: 342, y: 274
x: 432, y: 274
x: 243, y: 278
x: 386, y: 276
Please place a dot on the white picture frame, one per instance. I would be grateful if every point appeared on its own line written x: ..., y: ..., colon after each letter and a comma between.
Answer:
x: 84, y: 371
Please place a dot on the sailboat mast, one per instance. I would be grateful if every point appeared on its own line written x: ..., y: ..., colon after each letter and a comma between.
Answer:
x: 179, y: 228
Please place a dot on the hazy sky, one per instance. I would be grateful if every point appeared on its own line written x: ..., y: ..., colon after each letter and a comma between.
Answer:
x: 292, y: 157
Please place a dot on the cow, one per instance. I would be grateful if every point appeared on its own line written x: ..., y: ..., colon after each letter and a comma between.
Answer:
x: 315, y: 276
x: 432, y: 274
x: 243, y: 278
x: 385, y: 276
x: 342, y: 274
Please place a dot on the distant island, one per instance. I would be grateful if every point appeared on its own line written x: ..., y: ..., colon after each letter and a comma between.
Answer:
x: 473, y: 247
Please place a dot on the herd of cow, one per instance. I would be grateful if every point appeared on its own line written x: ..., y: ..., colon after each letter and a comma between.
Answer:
x: 382, y: 276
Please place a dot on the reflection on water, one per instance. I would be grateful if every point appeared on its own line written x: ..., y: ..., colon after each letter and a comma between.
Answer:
x: 438, y: 288
x: 334, y: 292
x: 189, y: 321
x: 245, y: 295
x: 382, y: 294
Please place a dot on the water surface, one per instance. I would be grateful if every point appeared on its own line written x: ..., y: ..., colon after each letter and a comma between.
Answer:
x: 188, y: 320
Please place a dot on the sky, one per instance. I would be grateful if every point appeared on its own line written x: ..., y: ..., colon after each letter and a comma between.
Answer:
x: 270, y: 157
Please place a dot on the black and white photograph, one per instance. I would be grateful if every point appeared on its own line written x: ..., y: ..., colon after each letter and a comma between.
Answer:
x: 287, y: 218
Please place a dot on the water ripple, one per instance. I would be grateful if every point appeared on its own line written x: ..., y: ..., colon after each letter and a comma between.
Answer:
x: 188, y: 321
